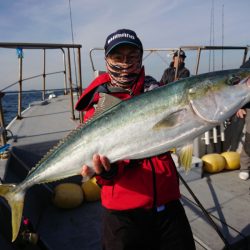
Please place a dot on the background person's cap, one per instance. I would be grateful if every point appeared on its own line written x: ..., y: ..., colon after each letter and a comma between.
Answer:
x: 181, y: 54
x: 122, y: 36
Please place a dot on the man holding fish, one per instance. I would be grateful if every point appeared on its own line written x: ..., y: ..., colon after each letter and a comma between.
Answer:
x: 140, y: 197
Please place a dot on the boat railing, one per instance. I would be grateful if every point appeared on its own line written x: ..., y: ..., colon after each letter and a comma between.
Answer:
x: 170, y: 51
x: 66, y: 71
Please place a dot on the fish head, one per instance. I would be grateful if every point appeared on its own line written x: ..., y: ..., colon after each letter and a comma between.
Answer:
x: 218, y: 96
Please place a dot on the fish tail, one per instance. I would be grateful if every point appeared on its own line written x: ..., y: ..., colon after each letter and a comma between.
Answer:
x: 15, y: 200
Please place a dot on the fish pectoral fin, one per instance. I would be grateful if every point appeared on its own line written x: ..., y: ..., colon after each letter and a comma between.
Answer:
x: 185, y: 156
x: 16, y: 202
x: 170, y: 121
x: 105, y: 102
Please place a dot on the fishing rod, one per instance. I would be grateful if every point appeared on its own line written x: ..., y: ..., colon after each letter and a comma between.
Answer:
x: 213, y: 224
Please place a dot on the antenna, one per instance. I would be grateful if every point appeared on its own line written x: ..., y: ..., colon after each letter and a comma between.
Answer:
x: 213, y: 36
x: 211, y: 41
x: 222, y: 38
x: 72, y: 37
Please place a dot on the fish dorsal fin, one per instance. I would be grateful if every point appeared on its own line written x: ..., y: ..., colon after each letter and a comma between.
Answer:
x: 185, y: 156
x: 105, y: 102
x: 54, y: 148
x: 170, y: 121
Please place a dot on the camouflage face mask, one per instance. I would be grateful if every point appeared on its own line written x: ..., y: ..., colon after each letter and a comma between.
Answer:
x: 124, y: 74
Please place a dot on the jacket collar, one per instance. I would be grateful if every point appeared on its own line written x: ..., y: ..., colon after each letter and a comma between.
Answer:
x: 88, y: 93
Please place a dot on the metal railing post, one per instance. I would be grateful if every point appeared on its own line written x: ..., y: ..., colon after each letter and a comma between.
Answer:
x: 65, y: 73
x: 198, y: 61
x: 44, y: 74
x: 2, y: 123
x: 245, y: 55
x: 19, y: 113
x: 71, y: 88
x: 80, y: 80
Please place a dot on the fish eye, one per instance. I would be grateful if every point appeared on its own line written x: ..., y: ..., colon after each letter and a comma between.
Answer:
x: 233, y: 80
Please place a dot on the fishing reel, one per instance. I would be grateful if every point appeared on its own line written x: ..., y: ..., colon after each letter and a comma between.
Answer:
x: 27, y: 236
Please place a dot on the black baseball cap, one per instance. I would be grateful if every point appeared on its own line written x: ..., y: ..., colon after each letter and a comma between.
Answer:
x: 122, y: 36
x: 181, y: 53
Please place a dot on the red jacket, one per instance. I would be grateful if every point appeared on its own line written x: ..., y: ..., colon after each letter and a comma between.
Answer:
x: 138, y: 183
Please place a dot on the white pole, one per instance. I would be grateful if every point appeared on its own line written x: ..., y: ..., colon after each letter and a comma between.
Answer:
x: 207, y: 141
x: 222, y: 133
x: 215, y: 135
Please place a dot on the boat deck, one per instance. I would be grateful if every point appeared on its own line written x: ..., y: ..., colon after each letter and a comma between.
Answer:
x: 224, y: 195
x: 227, y: 199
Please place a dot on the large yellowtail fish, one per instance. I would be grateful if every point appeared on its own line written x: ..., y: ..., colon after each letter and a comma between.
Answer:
x: 146, y: 125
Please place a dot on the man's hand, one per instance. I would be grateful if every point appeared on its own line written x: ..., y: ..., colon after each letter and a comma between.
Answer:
x: 241, y: 113
x: 99, y: 162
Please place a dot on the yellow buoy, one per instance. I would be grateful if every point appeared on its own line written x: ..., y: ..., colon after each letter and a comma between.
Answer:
x: 91, y: 190
x: 232, y: 160
x: 213, y: 163
x: 68, y: 195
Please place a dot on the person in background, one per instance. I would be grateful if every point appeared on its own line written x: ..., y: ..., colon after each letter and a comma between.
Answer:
x: 244, y: 113
x: 169, y: 74
x: 141, y: 202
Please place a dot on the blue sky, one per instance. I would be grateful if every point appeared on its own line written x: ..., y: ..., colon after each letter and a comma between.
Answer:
x: 159, y: 24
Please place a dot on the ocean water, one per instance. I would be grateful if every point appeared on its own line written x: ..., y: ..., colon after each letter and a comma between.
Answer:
x: 10, y: 100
